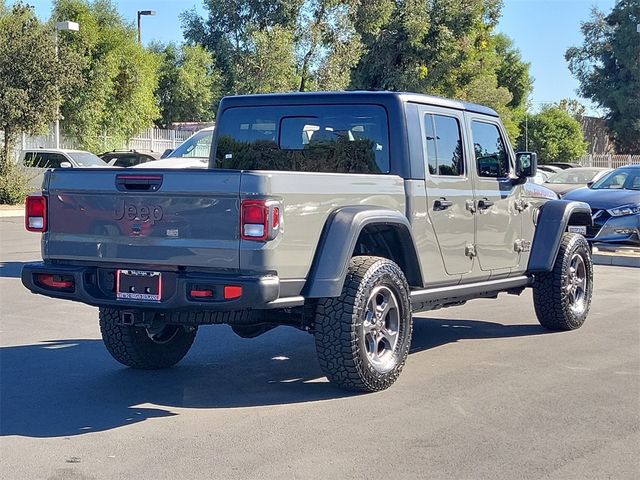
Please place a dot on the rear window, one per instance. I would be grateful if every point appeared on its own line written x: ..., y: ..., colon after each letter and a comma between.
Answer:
x: 319, y: 138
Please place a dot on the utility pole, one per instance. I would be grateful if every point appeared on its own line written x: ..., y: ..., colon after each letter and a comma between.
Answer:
x: 62, y: 27
x: 140, y: 14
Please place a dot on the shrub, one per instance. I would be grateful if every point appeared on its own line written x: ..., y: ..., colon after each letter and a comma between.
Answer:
x: 14, y: 185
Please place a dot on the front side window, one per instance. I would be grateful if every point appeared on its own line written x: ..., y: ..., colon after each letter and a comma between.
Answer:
x: 444, y: 145
x: 318, y: 138
x: 86, y: 159
x: 491, y: 155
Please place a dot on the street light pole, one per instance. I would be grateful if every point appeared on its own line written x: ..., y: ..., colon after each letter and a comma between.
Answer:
x: 140, y: 14
x: 62, y: 27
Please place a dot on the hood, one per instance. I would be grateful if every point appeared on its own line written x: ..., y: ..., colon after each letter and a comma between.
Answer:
x: 181, y: 162
x: 605, y: 198
x: 562, y: 188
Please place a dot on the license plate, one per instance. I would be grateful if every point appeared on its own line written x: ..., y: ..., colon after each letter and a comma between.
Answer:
x: 581, y: 229
x: 139, y: 285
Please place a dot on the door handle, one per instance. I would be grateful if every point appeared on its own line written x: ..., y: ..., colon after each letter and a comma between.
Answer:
x: 484, y: 204
x: 442, y: 204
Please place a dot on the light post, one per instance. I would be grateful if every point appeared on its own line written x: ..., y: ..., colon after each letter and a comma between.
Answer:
x: 140, y: 14
x: 62, y: 27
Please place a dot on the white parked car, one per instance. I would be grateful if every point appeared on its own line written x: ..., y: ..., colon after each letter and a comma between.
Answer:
x: 37, y: 160
x: 192, y: 153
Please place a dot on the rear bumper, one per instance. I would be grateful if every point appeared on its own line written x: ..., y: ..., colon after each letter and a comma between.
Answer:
x: 95, y: 286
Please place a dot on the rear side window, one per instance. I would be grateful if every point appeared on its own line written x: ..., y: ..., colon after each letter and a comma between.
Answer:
x: 317, y: 138
x: 43, y: 160
x: 491, y: 155
x: 444, y: 145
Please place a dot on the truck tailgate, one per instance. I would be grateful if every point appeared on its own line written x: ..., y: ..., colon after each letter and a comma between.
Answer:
x: 155, y: 217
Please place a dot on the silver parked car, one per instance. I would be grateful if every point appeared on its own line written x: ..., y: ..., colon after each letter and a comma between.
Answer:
x: 573, y: 178
x: 36, y: 161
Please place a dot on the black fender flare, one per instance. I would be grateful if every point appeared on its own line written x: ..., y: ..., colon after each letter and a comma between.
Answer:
x: 553, y: 219
x: 338, y: 241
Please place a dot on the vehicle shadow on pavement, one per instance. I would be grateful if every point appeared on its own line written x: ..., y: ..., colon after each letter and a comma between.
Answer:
x: 11, y: 269
x: 71, y: 387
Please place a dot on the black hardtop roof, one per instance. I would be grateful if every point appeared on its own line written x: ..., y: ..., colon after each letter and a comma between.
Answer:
x: 300, y: 98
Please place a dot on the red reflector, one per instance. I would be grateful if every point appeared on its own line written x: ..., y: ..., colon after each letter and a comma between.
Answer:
x: 232, y: 291
x: 54, y: 281
x: 202, y: 293
x: 35, y: 219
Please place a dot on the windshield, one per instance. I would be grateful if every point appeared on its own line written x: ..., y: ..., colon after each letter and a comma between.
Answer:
x: 86, y: 159
x: 623, y: 178
x: 197, y: 146
x: 574, y: 176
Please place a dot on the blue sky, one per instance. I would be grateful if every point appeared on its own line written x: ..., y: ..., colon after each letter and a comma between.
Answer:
x: 541, y: 29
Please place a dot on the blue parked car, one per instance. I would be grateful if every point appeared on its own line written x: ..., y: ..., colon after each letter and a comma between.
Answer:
x: 615, y: 206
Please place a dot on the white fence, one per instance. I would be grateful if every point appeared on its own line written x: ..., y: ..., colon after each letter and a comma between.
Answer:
x: 154, y: 139
x: 608, y: 161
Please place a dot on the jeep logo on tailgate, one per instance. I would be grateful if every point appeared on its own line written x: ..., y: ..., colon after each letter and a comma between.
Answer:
x: 139, y: 212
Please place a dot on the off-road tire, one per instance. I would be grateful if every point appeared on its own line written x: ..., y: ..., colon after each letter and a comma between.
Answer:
x: 339, y: 327
x: 133, y: 347
x: 553, y: 302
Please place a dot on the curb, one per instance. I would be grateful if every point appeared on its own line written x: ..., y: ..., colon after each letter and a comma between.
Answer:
x: 11, y: 212
x: 616, y: 260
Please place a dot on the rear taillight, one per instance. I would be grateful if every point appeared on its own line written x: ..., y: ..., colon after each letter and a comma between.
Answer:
x: 259, y: 219
x: 35, y: 219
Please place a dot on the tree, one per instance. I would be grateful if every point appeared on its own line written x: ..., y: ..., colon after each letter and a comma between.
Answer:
x: 442, y: 47
x: 607, y: 65
x: 116, y: 80
x: 188, y: 86
x: 278, y: 46
x: 555, y: 135
x: 31, y: 77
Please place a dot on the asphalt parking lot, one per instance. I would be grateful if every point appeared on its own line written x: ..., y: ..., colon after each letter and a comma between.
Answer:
x: 486, y: 393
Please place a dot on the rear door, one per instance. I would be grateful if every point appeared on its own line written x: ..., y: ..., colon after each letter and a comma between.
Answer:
x: 157, y: 217
x: 498, y: 222
x: 449, y: 187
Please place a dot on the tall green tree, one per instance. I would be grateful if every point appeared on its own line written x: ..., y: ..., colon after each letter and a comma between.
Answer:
x: 117, y: 77
x: 238, y: 32
x: 607, y: 65
x: 31, y: 77
x: 188, y: 86
x: 555, y: 135
x: 278, y: 46
x: 442, y: 47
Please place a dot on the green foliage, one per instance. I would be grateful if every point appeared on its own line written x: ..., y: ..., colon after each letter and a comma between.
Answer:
x: 278, y: 46
x: 14, y: 184
x: 189, y: 85
x: 31, y: 78
x: 555, y: 135
x: 442, y: 47
x: 607, y: 66
x: 116, y: 76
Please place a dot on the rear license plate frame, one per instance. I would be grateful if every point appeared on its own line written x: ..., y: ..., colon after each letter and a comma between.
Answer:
x: 139, y: 285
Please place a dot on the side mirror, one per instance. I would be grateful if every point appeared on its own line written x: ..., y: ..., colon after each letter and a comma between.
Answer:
x: 590, y: 184
x: 526, y: 164
x: 166, y: 153
x: 65, y: 165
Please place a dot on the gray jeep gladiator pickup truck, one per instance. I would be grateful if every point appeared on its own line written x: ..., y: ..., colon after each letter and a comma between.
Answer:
x: 336, y: 213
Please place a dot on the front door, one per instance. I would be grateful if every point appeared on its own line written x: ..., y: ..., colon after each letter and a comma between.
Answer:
x: 449, y: 187
x: 498, y: 221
